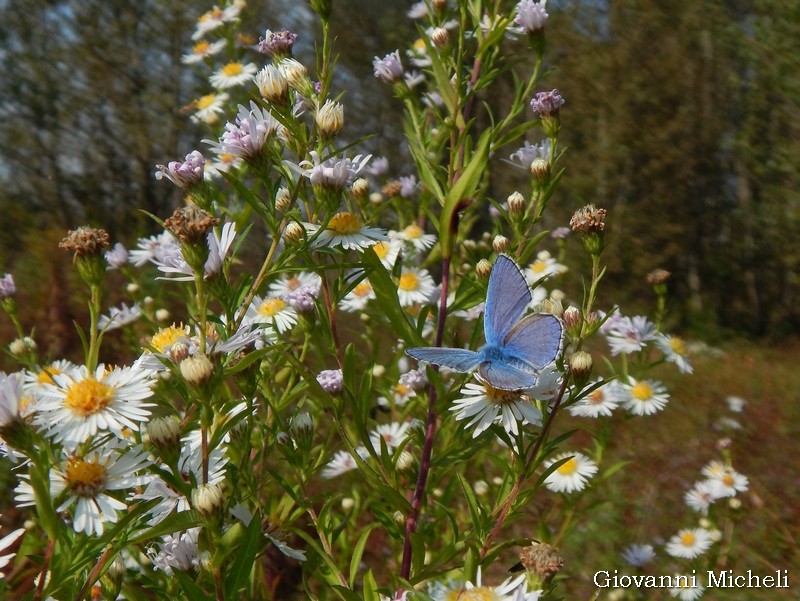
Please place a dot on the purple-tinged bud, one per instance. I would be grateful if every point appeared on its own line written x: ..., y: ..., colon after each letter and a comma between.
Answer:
x: 331, y: 380
x: 7, y: 287
x: 547, y: 105
x: 389, y: 69
x: 184, y: 174
x: 277, y: 43
x: 560, y: 233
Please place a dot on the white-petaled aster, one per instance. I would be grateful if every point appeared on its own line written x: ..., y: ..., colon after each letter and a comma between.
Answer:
x: 643, y: 397
x: 600, y: 402
x: 273, y: 311
x: 5, y: 543
x: 344, y: 229
x: 689, y: 543
x: 387, y: 251
x: 80, y: 403
x: 484, y: 405
x: 290, y: 282
x: 416, y: 286
x: 233, y: 74
x: 87, y: 481
x: 542, y: 267
x: 572, y: 475
x: 202, y: 50
x: 416, y: 237
x: 675, y: 351
x: 342, y: 462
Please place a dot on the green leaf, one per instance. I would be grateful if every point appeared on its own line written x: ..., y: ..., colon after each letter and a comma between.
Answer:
x: 472, y: 504
x: 358, y: 552
x: 177, y: 522
x: 239, y: 571
x: 190, y: 588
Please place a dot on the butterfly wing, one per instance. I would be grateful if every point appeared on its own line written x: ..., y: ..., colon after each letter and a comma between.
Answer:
x: 506, y: 300
x: 506, y: 377
x: 535, y: 340
x: 460, y: 360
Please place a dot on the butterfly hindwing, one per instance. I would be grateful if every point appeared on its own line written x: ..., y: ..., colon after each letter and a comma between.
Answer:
x: 506, y: 300
x: 505, y: 377
x: 461, y: 360
x: 535, y: 339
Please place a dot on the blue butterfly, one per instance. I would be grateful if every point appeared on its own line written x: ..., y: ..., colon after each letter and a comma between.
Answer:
x: 516, y: 349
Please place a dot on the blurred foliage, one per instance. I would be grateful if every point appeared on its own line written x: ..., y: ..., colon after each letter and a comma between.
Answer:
x: 681, y: 120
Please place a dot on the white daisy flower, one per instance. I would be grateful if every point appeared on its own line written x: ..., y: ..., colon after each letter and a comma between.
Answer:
x: 628, y: 335
x: 417, y: 238
x: 274, y: 311
x: 119, y: 316
x: 35, y: 380
x: 387, y: 251
x: 331, y: 173
x: 542, y: 267
x: 416, y: 286
x: 214, y: 19
x: 356, y: 300
x: 728, y: 481
x: 467, y: 591
x: 689, y: 543
x: 548, y: 384
x: 638, y: 555
x: 341, y: 463
x: 735, y: 403
x: 81, y: 403
x: 392, y: 434
x: 223, y: 163
x: 291, y: 282
x: 233, y: 74
x: 401, y: 393
x: 11, y: 399
x: 202, y: 50
x: 86, y: 480
x: 643, y: 397
x: 685, y: 589
x: 702, y: 495
x: 485, y: 405
x: 600, y: 402
x: 675, y: 351
x: 344, y: 229
x: 152, y: 248
x: 208, y: 108
x: 572, y: 475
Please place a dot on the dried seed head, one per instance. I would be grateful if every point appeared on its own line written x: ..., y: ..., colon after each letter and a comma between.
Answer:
x: 190, y: 223
x: 86, y: 241
x: 588, y: 219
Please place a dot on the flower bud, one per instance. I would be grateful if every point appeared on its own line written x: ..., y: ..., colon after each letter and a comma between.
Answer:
x: 378, y: 371
x: 302, y: 422
x: 347, y: 504
x: 405, y: 462
x: 272, y: 84
x: 330, y: 118
x: 483, y: 269
x: 500, y: 244
x: 580, y: 365
x: 571, y: 317
x: 162, y: 314
x: 208, y: 499
x: 516, y: 204
x: 360, y: 188
x: 399, y: 518
x: 196, y: 369
x: 480, y: 487
x: 165, y: 432
x: 440, y: 38
x: 294, y: 232
x: 283, y: 200
x: 540, y: 172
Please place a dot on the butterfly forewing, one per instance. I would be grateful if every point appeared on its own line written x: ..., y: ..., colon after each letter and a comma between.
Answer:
x: 535, y: 339
x: 460, y: 360
x: 506, y: 300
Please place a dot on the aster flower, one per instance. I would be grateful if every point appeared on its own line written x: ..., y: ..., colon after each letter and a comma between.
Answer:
x: 202, y: 50
x: 727, y: 481
x: 416, y: 237
x: 735, y: 403
x: 393, y: 435
x: 572, y: 475
x: 531, y: 16
x: 331, y: 380
x: 119, y: 316
x: 272, y: 84
x: 7, y: 287
x: 208, y: 108
x: 332, y: 173
x: 626, y: 335
x: 388, y: 69
x: 416, y: 286
x: 379, y: 167
x: 675, y: 351
x: 600, y: 402
x: 342, y: 463
x: 508, y: 590
x: 215, y: 18
x: 644, y: 397
x: 547, y: 104
x: 485, y: 405
x: 116, y: 257
x: 702, y: 495
x: 223, y: 163
x: 388, y: 251
x: 401, y: 393
x: 176, y: 552
x: 356, y: 300
x: 183, y: 174
x: 344, y: 229
x: 418, y: 10
x: 274, y: 311
x: 249, y: 134
x: 544, y: 266
x: 170, y: 259
x: 689, y: 543
x: 418, y: 54
x: 88, y: 480
x: 290, y: 282
x: 147, y: 249
x: 525, y: 155
x: 277, y: 43
x: 638, y: 555
x: 233, y: 74
x: 11, y: 399
x: 81, y: 403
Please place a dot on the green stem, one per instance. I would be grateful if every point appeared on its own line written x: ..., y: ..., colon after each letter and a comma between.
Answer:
x: 202, y: 307
x: 95, y: 335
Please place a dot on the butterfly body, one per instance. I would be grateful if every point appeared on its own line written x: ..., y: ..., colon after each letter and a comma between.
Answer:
x: 517, y: 348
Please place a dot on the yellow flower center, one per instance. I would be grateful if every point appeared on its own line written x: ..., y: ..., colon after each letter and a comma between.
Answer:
x: 381, y: 249
x: 677, y: 345
x: 362, y: 290
x: 271, y: 307
x: 205, y: 101
x: 419, y: 47
x: 479, y: 593
x: 727, y: 480
x: 568, y: 467
x: 227, y: 158
x: 166, y: 337
x: 642, y: 391
x: 88, y: 397
x: 232, y: 69
x: 409, y: 281
x: 401, y: 389
x: 24, y: 403
x: 85, y: 478
x: 214, y: 14
x: 499, y: 396
x: 344, y: 223
x: 413, y: 231
x: 688, y: 539
x: 46, y: 375
x: 595, y: 397
x: 293, y: 283
x: 538, y: 266
x: 201, y: 47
